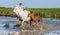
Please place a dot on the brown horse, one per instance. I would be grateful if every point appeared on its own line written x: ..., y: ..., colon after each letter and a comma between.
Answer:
x: 35, y: 18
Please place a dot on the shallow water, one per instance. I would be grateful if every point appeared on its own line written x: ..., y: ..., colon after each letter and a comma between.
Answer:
x: 12, y: 21
x: 53, y: 22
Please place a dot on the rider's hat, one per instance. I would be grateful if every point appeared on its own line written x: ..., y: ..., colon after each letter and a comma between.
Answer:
x: 20, y: 3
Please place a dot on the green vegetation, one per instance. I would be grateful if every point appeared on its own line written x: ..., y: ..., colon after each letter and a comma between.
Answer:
x: 7, y: 25
x: 45, y: 12
x: 6, y: 12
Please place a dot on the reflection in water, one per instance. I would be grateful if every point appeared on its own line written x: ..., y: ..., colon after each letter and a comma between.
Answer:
x: 12, y: 21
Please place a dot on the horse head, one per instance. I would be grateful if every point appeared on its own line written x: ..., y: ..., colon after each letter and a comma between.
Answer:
x: 35, y: 18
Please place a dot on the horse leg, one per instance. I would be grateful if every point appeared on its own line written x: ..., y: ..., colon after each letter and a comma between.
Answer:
x: 19, y: 20
x: 30, y: 21
x: 22, y: 22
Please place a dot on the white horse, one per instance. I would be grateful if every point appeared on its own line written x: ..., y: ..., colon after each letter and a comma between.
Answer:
x: 22, y: 14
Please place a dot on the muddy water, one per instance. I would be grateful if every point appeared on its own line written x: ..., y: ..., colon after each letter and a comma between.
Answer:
x: 12, y: 21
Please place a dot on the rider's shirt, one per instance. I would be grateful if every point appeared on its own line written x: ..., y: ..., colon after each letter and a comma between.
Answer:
x: 21, y: 8
x: 17, y: 8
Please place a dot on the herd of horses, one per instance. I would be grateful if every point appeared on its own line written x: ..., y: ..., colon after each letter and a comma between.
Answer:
x: 27, y: 16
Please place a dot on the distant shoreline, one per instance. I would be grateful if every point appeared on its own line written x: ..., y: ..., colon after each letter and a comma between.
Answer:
x: 45, y: 12
x: 8, y: 15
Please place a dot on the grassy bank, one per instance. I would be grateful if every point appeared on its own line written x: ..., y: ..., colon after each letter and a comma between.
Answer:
x: 6, y: 12
x: 45, y: 12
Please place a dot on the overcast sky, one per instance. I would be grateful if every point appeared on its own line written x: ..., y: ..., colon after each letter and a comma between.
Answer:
x: 31, y: 3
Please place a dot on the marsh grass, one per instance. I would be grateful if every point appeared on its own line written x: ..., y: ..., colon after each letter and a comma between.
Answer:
x: 7, y: 25
x: 45, y: 12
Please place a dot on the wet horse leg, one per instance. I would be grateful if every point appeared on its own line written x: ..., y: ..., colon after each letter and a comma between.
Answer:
x: 30, y: 21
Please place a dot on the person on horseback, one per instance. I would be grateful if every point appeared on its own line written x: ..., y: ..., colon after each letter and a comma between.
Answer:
x: 21, y: 13
x: 18, y: 7
x: 21, y: 6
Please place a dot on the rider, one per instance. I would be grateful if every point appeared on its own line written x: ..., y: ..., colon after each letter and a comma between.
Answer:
x: 21, y: 13
x: 21, y: 6
x: 18, y: 7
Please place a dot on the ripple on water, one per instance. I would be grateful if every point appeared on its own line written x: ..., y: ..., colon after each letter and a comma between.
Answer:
x: 12, y: 21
